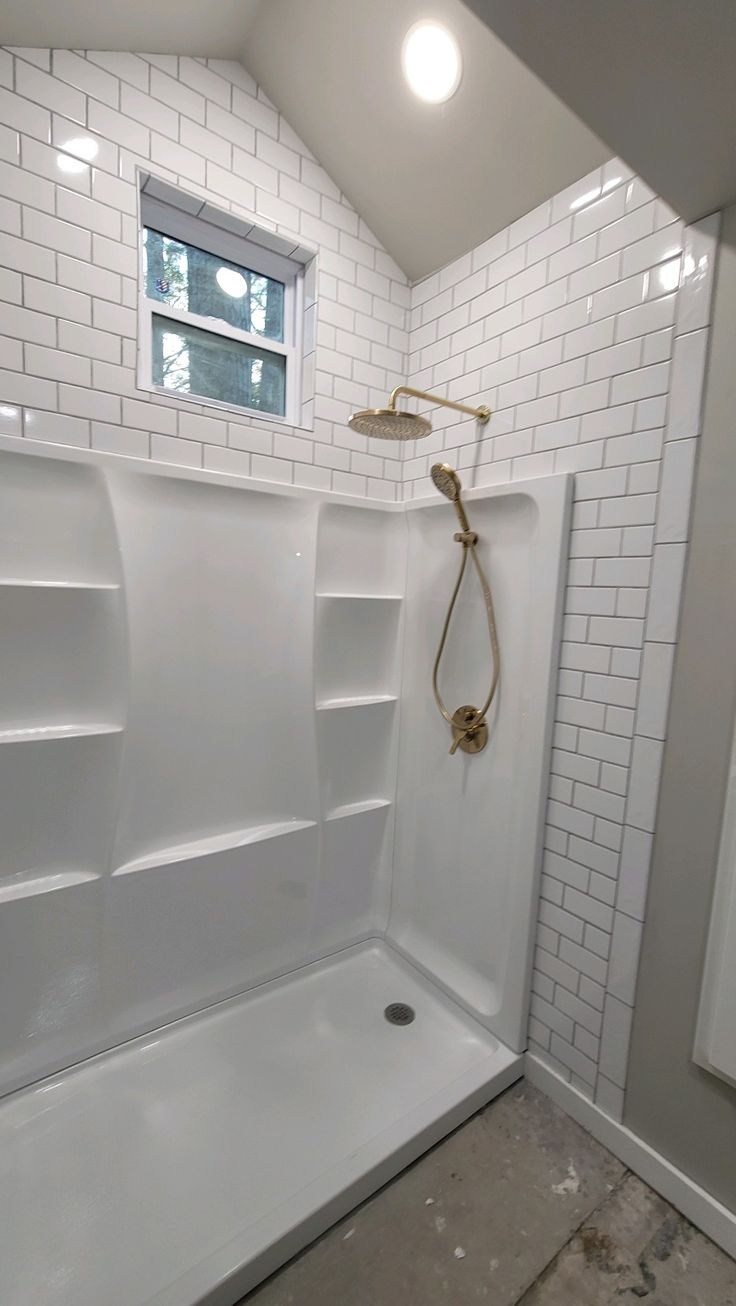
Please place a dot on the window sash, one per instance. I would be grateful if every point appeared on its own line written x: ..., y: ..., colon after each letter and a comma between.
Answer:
x: 236, y: 250
x: 216, y: 327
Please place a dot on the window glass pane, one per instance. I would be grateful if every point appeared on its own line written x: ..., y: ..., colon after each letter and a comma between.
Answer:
x: 200, y: 363
x: 185, y: 277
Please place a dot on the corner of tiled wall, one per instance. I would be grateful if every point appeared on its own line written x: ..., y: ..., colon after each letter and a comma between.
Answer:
x: 584, y: 326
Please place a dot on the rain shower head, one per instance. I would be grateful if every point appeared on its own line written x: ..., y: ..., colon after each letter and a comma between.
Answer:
x: 390, y: 424
x: 394, y: 423
x: 446, y: 480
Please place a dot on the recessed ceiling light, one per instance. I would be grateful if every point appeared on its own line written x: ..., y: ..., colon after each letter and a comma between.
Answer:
x: 430, y: 57
x: 232, y: 282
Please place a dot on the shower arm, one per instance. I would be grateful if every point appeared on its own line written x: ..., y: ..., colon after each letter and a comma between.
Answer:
x: 481, y: 414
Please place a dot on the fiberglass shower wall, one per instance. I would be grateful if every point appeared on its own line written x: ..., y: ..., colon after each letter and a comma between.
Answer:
x: 197, y: 743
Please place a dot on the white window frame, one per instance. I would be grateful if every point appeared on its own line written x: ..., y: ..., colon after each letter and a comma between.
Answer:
x: 247, y: 253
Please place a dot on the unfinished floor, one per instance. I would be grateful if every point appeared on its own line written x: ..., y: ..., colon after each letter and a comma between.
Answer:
x: 519, y: 1207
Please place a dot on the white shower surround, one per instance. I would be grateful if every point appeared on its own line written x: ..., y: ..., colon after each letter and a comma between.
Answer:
x: 213, y: 711
x: 544, y: 315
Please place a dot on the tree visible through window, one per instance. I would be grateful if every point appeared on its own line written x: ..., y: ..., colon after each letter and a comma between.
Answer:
x: 200, y: 290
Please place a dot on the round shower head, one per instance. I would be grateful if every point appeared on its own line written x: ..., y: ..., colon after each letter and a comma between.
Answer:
x: 446, y: 480
x: 390, y: 424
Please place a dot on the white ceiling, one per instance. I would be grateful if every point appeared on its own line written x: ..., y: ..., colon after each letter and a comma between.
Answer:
x: 432, y: 181
x: 657, y: 80
x: 217, y: 28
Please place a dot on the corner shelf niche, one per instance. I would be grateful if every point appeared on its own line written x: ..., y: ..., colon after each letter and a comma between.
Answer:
x: 60, y: 659
x: 357, y: 647
x: 62, y: 678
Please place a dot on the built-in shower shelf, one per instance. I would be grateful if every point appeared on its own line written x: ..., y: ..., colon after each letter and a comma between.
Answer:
x: 71, y: 730
x: 212, y: 843
x: 21, y: 582
x: 345, y: 594
x: 364, y: 700
x: 29, y: 886
x: 354, y: 809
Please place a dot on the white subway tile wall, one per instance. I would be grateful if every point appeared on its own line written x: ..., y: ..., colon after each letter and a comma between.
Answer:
x: 69, y: 266
x: 584, y: 325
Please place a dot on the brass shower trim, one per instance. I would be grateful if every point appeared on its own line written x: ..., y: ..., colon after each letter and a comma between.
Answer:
x: 393, y: 423
x: 468, y: 723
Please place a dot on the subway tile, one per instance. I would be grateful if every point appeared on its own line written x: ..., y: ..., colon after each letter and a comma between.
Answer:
x: 634, y: 226
x: 665, y: 592
x: 170, y: 449
x: 599, y: 214
x: 646, y: 762
x: 615, y: 1041
x: 55, y: 427
x: 123, y: 130
x: 86, y: 76
x: 651, y: 316
x: 51, y: 92
x: 584, y: 960
x: 640, y: 384
x: 675, y: 493
x: 654, y: 690
x: 89, y: 341
x: 660, y: 247
x: 688, y: 378
x: 698, y: 268
x: 120, y: 440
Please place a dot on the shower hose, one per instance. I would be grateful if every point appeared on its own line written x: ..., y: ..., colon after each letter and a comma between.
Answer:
x: 468, y: 539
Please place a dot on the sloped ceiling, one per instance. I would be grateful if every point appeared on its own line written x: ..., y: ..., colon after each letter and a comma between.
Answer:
x: 655, y: 79
x: 216, y: 28
x: 431, y: 181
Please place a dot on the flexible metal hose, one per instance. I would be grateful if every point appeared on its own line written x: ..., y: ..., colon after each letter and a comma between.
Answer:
x: 469, y: 539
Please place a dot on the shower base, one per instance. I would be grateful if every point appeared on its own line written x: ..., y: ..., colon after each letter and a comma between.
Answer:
x: 191, y: 1163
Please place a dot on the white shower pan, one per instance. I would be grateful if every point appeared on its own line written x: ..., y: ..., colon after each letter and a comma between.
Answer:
x: 232, y: 837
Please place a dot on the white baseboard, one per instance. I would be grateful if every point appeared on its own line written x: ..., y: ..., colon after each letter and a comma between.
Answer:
x: 704, y: 1211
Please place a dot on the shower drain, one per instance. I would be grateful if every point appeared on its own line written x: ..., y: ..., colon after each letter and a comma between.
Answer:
x: 399, y: 1013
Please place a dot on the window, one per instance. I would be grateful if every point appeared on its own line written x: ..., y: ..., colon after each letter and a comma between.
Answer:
x: 220, y: 314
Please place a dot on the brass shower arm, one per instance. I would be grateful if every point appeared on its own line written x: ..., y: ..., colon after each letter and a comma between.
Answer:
x: 481, y: 414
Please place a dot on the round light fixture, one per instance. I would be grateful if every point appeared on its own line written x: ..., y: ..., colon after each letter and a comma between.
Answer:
x: 232, y: 282
x: 430, y: 57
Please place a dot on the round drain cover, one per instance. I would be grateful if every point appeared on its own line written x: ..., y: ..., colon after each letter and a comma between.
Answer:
x: 399, y: 1013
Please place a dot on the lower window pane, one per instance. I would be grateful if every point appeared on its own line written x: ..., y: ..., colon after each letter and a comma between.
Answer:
x: 198, y: 362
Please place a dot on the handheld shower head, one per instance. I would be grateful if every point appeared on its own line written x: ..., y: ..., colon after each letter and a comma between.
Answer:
x: 447, y: 482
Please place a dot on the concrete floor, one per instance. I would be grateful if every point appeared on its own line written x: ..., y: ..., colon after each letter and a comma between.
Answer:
x: 519, y: 1207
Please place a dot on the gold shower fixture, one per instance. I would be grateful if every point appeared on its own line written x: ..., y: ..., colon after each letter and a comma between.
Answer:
x: 468, y: 724
x: 394, y: 423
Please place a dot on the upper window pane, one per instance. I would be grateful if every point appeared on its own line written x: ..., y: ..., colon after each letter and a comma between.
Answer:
x: 185, y: 277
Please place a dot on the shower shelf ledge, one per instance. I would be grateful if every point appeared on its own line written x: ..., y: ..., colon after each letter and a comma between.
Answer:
x: 212, y: 843
x: 359, y: 700
x: 354, y: 809
x: 22, y: 582
x: 72, y: 730
x: 362, y: 594
x: 43, y: 882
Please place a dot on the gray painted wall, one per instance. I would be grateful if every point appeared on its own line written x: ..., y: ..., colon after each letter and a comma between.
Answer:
x: 681, y: 1110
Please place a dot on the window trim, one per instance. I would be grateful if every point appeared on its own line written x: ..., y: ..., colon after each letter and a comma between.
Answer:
x: 247, y: 253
